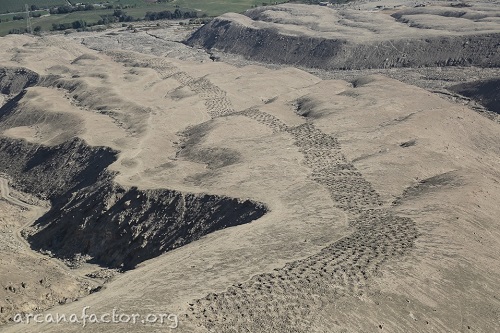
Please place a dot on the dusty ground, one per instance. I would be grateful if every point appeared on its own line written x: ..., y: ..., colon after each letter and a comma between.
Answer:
x: 381, y: 196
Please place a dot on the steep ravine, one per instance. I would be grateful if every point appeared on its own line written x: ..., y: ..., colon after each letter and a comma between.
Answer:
x: 95, y: 218
x: 118, y: 227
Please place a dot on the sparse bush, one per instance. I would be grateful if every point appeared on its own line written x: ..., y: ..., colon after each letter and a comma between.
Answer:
x: 17, y: 31
x: 64, y: 26
x: 78, y: 24
x: 61, y: 10
x: 203, y: 20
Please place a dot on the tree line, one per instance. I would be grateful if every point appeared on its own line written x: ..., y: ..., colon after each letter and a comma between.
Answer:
x: 119, y: 15
x: 70, y: 9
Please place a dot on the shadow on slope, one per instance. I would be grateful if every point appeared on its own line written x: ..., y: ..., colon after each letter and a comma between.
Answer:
x: 96, y: 219
x: 486, y: 93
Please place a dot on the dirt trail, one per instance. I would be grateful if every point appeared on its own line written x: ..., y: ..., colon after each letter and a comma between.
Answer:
x: 5, y: 194
x: 35, y: 213
x: 215, y: 99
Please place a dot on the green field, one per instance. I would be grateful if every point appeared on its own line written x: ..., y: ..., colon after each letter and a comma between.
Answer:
x: 47, y: 21
x: 11, y: 6
x: 139, y: 9
x: 212, y: 7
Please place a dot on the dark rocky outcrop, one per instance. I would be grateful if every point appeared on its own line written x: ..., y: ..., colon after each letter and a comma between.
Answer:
x: 120, y: 227
x: 484, y: 92
x: 14, y: 80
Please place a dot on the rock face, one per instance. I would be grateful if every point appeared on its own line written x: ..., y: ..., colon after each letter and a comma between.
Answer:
x: 14, y: 80
x: 93, y: 217
x: 326, y: 38
x: 50, y: 172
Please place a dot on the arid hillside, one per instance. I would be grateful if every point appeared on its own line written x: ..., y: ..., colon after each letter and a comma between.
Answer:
x: 137, y: 175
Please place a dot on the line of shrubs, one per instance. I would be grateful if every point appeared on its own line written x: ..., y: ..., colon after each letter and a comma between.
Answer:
x: 168, y: 15
x: 19, y: 17
x: 36, y: 30
x: 121, y: 16
x: 78, y: 8
x: 118, y: 15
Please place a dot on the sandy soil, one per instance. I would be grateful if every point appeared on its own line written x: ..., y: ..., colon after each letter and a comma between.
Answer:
x: 382, y: 196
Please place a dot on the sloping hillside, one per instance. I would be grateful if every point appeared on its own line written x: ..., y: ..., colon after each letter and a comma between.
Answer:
x: 330, y: 38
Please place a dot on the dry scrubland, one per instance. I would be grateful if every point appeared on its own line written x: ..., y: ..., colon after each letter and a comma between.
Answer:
x: 245, y: 197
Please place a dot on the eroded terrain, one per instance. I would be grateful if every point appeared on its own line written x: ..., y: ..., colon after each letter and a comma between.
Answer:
x: 247, y: 197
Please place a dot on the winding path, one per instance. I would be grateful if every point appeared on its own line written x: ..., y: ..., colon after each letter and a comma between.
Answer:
x: 34, y: 213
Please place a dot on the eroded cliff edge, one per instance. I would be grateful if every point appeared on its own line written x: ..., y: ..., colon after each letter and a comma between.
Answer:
x: 327, y: 38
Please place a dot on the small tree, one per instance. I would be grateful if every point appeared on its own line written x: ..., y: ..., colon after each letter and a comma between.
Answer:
x: 79, y: 24
x: 119, y: 13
